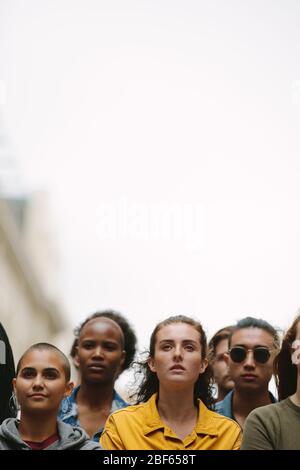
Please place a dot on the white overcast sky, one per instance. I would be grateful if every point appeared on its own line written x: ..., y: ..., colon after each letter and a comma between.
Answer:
x: 167, y: 135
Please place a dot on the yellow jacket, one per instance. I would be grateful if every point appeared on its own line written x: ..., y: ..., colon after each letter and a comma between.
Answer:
x: 140, y: 427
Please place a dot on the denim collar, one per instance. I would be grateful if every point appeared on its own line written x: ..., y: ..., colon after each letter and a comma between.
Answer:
x: 225, y: 407
x: 68, y: 412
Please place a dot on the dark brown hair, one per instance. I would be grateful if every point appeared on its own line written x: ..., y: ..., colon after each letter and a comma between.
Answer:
x: 221, y: 334
x: 47, y: 347
x: 150, y: 383
x: 252, y: 322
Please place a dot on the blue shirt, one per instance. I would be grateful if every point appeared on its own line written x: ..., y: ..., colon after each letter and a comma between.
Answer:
x: 68, y: 412
x: 225, y: 407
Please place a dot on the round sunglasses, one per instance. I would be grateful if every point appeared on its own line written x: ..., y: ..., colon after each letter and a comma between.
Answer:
x: 261, y: 354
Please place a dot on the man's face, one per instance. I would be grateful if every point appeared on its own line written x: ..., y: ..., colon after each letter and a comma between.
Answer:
x: 251, y: 375
x: 100, y: 353
x: 220, y: 368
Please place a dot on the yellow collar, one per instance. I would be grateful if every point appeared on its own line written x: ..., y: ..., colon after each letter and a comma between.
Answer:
x: 205, y: 424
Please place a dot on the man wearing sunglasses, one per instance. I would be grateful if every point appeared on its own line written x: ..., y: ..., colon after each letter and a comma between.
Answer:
x: 252, y: 348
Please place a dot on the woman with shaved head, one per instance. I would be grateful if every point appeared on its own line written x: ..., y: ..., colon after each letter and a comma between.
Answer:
x: 42, y: 380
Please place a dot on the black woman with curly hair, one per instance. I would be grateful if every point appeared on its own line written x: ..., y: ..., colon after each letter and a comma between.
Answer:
x: 105, y: 346
x: 173, y: 399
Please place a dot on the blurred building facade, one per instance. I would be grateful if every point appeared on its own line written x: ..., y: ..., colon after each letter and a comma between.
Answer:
x: 27, y: 310
x: 30, y: 302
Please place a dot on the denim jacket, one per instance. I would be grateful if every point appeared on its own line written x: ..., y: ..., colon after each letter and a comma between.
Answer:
x: 225, y: 407
x: 68, y: 410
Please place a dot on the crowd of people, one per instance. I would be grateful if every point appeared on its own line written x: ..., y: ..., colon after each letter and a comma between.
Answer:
x: 187, y: 395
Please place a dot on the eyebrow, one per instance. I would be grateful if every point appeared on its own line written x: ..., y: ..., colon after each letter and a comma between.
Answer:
x: 47, y: 369
x: 106, y: 340
x: 253, y: 347
x: 185, y: 341
x: 51, y: 369
x: 27, y: 369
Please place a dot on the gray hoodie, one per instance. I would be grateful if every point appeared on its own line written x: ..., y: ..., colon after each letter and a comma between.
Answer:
x: 71, y: 438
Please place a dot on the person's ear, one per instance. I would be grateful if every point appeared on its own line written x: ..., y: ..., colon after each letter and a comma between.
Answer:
x: 76, y: 362
x: 123, y: 357
x: 76, y: 358
x: 151, y: 364
x: 14, y: 385
x: 69, y: 388
x: 122, y: 360
x: 226, y: 358
x: 203, y: 366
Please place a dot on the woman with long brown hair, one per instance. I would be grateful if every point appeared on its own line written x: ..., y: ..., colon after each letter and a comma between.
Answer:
x: 173, y: 400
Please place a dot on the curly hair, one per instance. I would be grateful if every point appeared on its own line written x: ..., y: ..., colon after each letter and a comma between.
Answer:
x: 148, y: 380
x: 285, y: 371
x: 130, y: 340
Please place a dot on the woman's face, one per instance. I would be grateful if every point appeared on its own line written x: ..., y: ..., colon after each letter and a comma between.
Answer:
x: 296, y: 347
x: 41, y: 382
x: 177, y: 356
x: 100, y: 353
